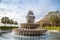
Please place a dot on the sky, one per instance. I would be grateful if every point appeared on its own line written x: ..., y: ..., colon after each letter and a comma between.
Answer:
x: 18, y: 9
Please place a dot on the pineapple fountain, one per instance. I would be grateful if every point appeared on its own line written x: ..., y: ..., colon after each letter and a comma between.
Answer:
x: 29, y: 28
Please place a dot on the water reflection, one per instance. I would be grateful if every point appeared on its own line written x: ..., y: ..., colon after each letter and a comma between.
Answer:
x: 9, y: 36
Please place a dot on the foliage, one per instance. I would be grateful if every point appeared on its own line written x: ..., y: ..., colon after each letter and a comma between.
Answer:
x: 52, y: 18
x: 55, y: 19
x: 5, y: 20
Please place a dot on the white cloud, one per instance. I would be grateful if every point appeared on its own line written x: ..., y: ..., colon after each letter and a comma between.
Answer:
x: 17, y: 9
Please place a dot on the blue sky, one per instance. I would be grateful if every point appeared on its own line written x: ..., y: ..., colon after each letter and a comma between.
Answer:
x: 17, y: 9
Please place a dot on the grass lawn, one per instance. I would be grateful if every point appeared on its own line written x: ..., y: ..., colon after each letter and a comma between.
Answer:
x: 7, y: 27
x: 52, y: 28
x: 49, y: 28
x: 46, y: 28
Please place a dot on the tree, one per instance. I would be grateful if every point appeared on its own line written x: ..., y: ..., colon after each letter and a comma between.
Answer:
x: 5, y: 20
x: 52, y: 18
x: 55, y: 18
x: 11, y: 21
x: 15, y: 22
x: 58, y: 21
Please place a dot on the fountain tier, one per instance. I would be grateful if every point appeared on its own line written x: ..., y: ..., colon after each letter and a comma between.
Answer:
x: 29, y: 32
x: 30, y: 25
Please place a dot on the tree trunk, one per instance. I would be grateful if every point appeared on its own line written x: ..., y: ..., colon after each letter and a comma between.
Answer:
x: 5, y: 25
x: 54, y: 24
